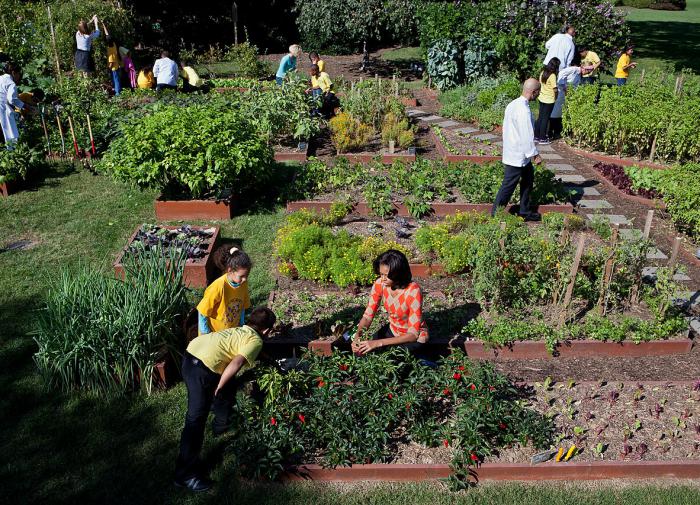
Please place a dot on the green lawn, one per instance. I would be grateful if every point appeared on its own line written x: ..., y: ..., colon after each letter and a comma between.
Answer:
x: 403, y: 54
x: 664, y: 38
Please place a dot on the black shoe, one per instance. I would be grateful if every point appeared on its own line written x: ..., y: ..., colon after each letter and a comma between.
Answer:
x: 532, y: 217
x: 195, y: 484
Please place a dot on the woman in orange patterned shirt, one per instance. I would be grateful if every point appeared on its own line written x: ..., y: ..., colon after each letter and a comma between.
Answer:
x: 403, y: 302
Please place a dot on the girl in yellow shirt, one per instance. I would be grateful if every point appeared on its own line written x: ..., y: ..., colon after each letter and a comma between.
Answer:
x: 114, y: 64
x: 226, y: 299
x: 548, y: 95
x: 622, y: 72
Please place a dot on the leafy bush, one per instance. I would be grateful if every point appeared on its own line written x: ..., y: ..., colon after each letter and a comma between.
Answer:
x: 337, y: 26
x: 104, y: 334
x: 612, y: 120
x: 318, y: 411
x: 371, y: 100
x: 196, y: 149
x: 348, y: 132
x: 679, y: 189
x: 17, y: 164
x: 444, y: 65
x: 248, y: 64
x: 310, y: 249
x: 516, y: 30
x: 398, y: 130
x: 482, y: 102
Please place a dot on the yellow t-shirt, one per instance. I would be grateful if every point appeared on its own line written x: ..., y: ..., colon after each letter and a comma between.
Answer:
x: 620, y: 72
x: 322, y: 81
x: 321, y: 65
x: 590, y: 60
x: 223, y: 304
x: 547, y: 89
x: 145, y: 80
x: 192, y: 77
x: 113, y: 61
x: 217, y: 350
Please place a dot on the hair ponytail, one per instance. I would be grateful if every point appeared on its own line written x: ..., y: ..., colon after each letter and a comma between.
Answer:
x: 235, y: 259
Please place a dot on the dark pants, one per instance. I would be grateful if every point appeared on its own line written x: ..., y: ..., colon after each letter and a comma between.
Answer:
x: 555, y: 127
x: 542, y: 124
x: 588, y: 80
x: 512, y: 176
x: 165, y: 86
x: 621, y: 81
x: 385, y: 332
x: 201, y: 384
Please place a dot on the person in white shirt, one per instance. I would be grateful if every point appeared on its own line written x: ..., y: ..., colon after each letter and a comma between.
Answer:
x: 165, y: 72
x: 561, y: 46
x: 83, y: 41
x: 519, y: 151
x: 8, y: 101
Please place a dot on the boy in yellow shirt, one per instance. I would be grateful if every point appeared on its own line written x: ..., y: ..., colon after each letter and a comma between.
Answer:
x: 590, y: 61
x: 210, y: 368
x: 622, y: 72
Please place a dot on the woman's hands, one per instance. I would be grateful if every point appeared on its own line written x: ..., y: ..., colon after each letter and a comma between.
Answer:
x: 364, y: 346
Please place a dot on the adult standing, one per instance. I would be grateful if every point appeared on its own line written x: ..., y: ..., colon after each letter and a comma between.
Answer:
x: 403, y: 301
x: 83, y: 41
x: 624, y: 64
x: 561, y: 46
x: 165, y: 72
x: 590, y: 62
x: 288, y: 63
x: 8, y: 101
x: 519, y: 151
x: 211, y: 367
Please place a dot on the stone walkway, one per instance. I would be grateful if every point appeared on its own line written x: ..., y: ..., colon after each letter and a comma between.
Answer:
x: 589, y: 200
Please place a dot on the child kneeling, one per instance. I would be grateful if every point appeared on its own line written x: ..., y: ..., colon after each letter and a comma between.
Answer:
x: 210, y: 367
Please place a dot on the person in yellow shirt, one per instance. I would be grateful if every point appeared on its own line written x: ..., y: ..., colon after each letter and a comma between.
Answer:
x: 624, y: 64
x: 211, y: 368
x: 590, y: 62
x: 316, y: 60
x: 547, y: 98
x: 146, y: 80
x: 226, y: 299
x: 114, y: 64
x: 191, y: 80
x: 321, y: 86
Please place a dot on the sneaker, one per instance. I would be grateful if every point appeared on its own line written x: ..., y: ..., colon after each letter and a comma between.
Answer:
x: 195, y: 484
x: 532, y: 217
x: 544, y: 142
x: 537, y: 141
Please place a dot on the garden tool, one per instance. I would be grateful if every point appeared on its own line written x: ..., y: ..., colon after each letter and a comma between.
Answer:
x: 72, y: 134
x: 60, y: 129
x: 543, y: 456
x: 46, y: 132
x: 92, y: 139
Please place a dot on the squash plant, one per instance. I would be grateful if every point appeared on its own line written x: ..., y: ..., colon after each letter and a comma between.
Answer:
x: 194, y: 150
x: 16, y: 164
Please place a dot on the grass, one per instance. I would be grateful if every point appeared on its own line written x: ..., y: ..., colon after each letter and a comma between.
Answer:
x: 403, y: 54
x: 666, y: 38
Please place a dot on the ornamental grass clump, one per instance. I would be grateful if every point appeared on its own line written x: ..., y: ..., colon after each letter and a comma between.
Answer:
x: 103, y: 334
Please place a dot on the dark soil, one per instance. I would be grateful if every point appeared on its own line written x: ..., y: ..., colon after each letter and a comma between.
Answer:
x: 467, y: 145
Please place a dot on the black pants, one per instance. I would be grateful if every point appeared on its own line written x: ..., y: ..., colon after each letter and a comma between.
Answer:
x: 165, y: 86
x: 385, y: 332
x: 201, y: 384
x: 512, y: 176
x: 555, y: 127
x: 542, y: 123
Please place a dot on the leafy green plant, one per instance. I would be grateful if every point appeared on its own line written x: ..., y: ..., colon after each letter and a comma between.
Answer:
x: 397, y: 130
x: 17, y: 163
x: 104, y: 334
x: 348, y: 133
x: 444, y: 64
x: 378, y: 195
x: 248, y: 64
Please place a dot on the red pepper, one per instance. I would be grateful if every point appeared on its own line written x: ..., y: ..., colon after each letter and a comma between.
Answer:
x: 302, y: 418
x: 273, y: 421
x: 460, y: 368
x: 445, y: 442
x: 474, y: 457
x: 390, y: 396
x: 343, y: 367
x: 472, y: 387
x: 408, y: 406
x: 445, y: 391
x: 457, y: 376
x: 502, y: 426
x: 321, y: 383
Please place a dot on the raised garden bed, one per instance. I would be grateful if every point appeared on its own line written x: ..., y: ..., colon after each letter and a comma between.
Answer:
x: 615, y: 178
x: 625, y: 162
x: 184, y: 210
x: 454, y: 148
x: 437, y: 209
x: 199, y: 267
x: 8, y: 188
x: 382, y: 156
x: 287, y: 151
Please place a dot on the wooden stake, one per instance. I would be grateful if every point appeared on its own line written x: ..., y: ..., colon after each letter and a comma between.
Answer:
x: 53, y: 44
x: 72, y: 134
x: 647, y: 223
x: 563, y: 238
x: 674, y: 254
x: 92, y: 139
x: 502, y: 241
x: 396, y: 87
x: 46, y: 131
x: 607, y: 272
x: 641, y: 78
x: 653, y: 148
x: 572, y: 282
x: 60, y: 131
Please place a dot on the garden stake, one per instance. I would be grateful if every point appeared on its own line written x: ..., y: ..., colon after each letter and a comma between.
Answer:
x: 72, y: 134
x: 563, y: 239
x: 502, y: 240
x: 92, y: 139
x: 652, y: 153
x: 634, y: 297
x: 674, y: 254
x: 46, y: 132
x: 647, y: 223
x: 60, y: 131
x: 607, y: 273
x: 570, y: 287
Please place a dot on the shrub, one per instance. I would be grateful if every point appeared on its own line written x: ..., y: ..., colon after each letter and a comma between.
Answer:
x: 398, y: 130
x: 444, y: 65
x: 246, y: 59
x: 194, y: 149
x: 104, y: 334
x: 348, y: 133
x: 17, y: 164
x: 482, y: 102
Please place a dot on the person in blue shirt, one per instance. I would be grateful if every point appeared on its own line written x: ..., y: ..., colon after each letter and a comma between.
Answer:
x: 288, y: 63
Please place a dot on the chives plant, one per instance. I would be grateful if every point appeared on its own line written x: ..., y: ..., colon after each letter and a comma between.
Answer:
x: 105, y: 334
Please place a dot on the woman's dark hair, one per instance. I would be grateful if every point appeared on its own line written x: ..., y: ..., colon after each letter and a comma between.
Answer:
x: 576, y: 60
x: 235, y: 259
x: 147, y: 68
x: 11, y: 68
x: 313, y: 55
x: 261, y: 319
x: 83, y: 27
x: 110, y: 41
x: 550, y: 68
x: 399, y: 269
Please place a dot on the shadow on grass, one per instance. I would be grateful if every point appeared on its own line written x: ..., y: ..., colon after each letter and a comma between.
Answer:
x: 673, y: 42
